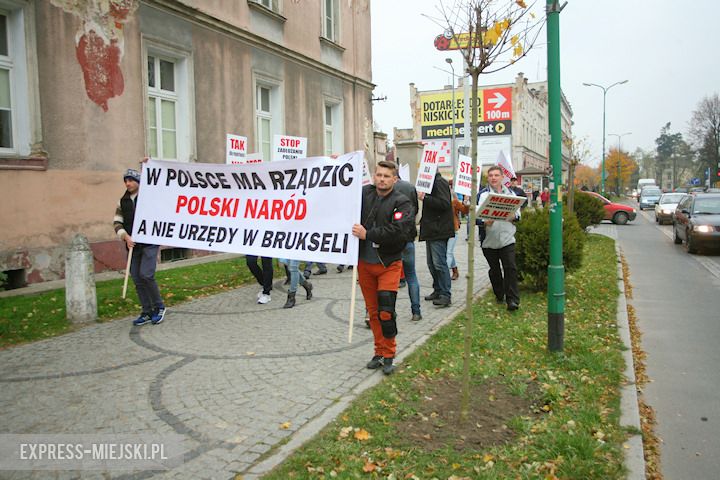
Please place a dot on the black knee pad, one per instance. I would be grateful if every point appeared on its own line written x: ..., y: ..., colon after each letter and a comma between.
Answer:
x: 386, y: 303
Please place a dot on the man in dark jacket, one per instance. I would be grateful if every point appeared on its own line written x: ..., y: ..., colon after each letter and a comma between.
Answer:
x: 436, y: 227
x: 144, y: 257
x: 386, y: 226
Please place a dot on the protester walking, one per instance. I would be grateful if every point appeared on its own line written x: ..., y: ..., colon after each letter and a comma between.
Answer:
x: 436, y: 227
x: 499, y: 247
x: 263, y: 275
x: 408, y: 253
x: 143, y: 262
x: 518, y: 190
x: 293, y: 268
x: 458, y: 209
x: 385, y: 229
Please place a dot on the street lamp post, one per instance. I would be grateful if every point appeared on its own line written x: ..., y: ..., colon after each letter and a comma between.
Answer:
x: 619, y: 137
x: 605, y: 90
x: 454, y: 114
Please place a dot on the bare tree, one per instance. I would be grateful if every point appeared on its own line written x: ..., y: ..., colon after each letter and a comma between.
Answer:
x: 704, y: 131
x: 579, y: 151
x: 491, y: 35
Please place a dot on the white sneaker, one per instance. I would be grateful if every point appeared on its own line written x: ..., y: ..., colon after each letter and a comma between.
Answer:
x: 259, y: 293
x: 264, y: 298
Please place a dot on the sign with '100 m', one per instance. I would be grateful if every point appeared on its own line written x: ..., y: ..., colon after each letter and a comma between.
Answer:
x: 437, y: 112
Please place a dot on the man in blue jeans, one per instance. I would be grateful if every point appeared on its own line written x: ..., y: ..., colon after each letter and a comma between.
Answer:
x: 408, y: 254
x: 144, y: 257
x: 436, y: 227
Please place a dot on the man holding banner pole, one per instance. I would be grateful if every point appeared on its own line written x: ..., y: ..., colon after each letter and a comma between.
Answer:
x: 143, y: 257
x: 386, y: 227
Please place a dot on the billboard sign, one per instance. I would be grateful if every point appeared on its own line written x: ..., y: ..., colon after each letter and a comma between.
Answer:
x: 437, y: 112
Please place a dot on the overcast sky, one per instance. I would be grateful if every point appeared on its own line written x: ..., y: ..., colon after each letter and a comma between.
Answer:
x: 668, y: 50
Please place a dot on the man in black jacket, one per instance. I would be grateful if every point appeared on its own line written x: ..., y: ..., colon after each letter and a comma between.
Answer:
x: 387, y: 224
x: 436, y: 227
x: 144, y: 257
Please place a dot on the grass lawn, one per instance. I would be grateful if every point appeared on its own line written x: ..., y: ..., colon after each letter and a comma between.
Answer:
x: 557, y: 414
x: 34, y: 317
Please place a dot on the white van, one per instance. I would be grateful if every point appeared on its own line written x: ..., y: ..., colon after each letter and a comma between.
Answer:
x: 643, y: 182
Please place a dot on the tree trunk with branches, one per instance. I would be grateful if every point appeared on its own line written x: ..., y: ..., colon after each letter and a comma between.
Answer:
x: 491, y: 35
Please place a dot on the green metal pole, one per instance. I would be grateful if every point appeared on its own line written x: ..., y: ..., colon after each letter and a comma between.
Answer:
x: 556, y: 269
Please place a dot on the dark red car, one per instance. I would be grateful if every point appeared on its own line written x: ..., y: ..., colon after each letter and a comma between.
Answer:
x: 615, y: 212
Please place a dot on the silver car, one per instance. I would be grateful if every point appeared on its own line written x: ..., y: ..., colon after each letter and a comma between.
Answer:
x: 649, y: 197
x: 665, y: 208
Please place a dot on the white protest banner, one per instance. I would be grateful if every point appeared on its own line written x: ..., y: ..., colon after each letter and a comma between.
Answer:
x: 489, y: 147
x: 507, y: 168
x: 496, y: 206
x: 405, y: 172
x: 235, y: 149
x: 444, y: 150
x: 288, y: 148
x: 428, y: 168
x: 463, y: 175
x: 254, y: 158
x: 297, y: 210
x: 366, y: 177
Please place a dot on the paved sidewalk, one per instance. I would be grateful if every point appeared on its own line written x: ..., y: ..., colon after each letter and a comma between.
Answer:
x: 222, y: 371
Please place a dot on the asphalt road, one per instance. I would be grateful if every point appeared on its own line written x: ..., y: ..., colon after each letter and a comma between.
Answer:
x: 676, y: 297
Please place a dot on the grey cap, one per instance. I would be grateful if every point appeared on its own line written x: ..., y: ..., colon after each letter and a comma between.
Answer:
x: 132, y: 174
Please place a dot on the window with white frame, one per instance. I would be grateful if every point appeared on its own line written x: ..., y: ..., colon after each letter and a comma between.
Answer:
x: 268, y: 114
x: 16, y: 113
x: 169, y: 106
x: 333, y: 132
x: 331, y: 20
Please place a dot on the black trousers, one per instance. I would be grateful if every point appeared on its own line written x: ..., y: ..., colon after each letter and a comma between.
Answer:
x: 504, y: 281
x: 263, y: 276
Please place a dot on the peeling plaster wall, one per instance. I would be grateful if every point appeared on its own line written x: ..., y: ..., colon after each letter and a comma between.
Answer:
x: 94, y: 124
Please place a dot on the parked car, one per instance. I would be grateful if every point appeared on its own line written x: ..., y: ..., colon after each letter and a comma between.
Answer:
x: 697, y: 221
x: 681, y: 190
x: 665, y: 208
x: 615, y: 212
x: 649, y: 196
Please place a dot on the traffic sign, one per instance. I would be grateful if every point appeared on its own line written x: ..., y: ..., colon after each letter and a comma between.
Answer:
x: 695, y: 181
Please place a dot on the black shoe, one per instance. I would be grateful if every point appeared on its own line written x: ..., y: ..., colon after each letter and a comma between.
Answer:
x: 432, y: 296
x: 375, y: 363
x: 512, y: 306
x: 403, y: 283
x: 307, y: 274
x: 339, y: 268
x: 442, y: 301
x: 499, y: 300
x: 367, y: 324
x: 308, y: 289
x: 388, y: 366
x: 321, y: 272
x: 416, y: 317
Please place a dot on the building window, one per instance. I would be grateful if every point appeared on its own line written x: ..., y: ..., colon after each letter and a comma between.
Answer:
x: 264, y: 121
x: 331, y: 20
x: 333, y: 133
x: 268, y: 115
x: 169, y: 101
x: 17, y: 107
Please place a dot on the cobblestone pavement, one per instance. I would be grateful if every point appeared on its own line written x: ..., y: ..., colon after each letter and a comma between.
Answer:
x: 222, y: 371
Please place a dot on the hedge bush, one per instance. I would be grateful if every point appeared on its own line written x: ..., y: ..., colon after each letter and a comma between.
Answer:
x: 532, y: 248
x: 588, y: 209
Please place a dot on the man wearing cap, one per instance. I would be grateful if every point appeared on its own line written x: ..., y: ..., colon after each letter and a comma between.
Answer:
x: 144, y: 256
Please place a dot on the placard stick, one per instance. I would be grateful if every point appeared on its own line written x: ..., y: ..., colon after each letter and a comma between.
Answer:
x: 352, y: 303
x: 127, y: 272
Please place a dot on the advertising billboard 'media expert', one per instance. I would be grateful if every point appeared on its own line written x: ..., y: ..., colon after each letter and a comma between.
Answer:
x: 437, y: 112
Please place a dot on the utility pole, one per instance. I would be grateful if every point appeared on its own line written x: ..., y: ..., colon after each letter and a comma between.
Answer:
x: 556, y: 269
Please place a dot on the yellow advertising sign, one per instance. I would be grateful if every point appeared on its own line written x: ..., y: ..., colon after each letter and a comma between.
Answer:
x: 437, y: 108
x: 437, y: 112
x: 456, y: 42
